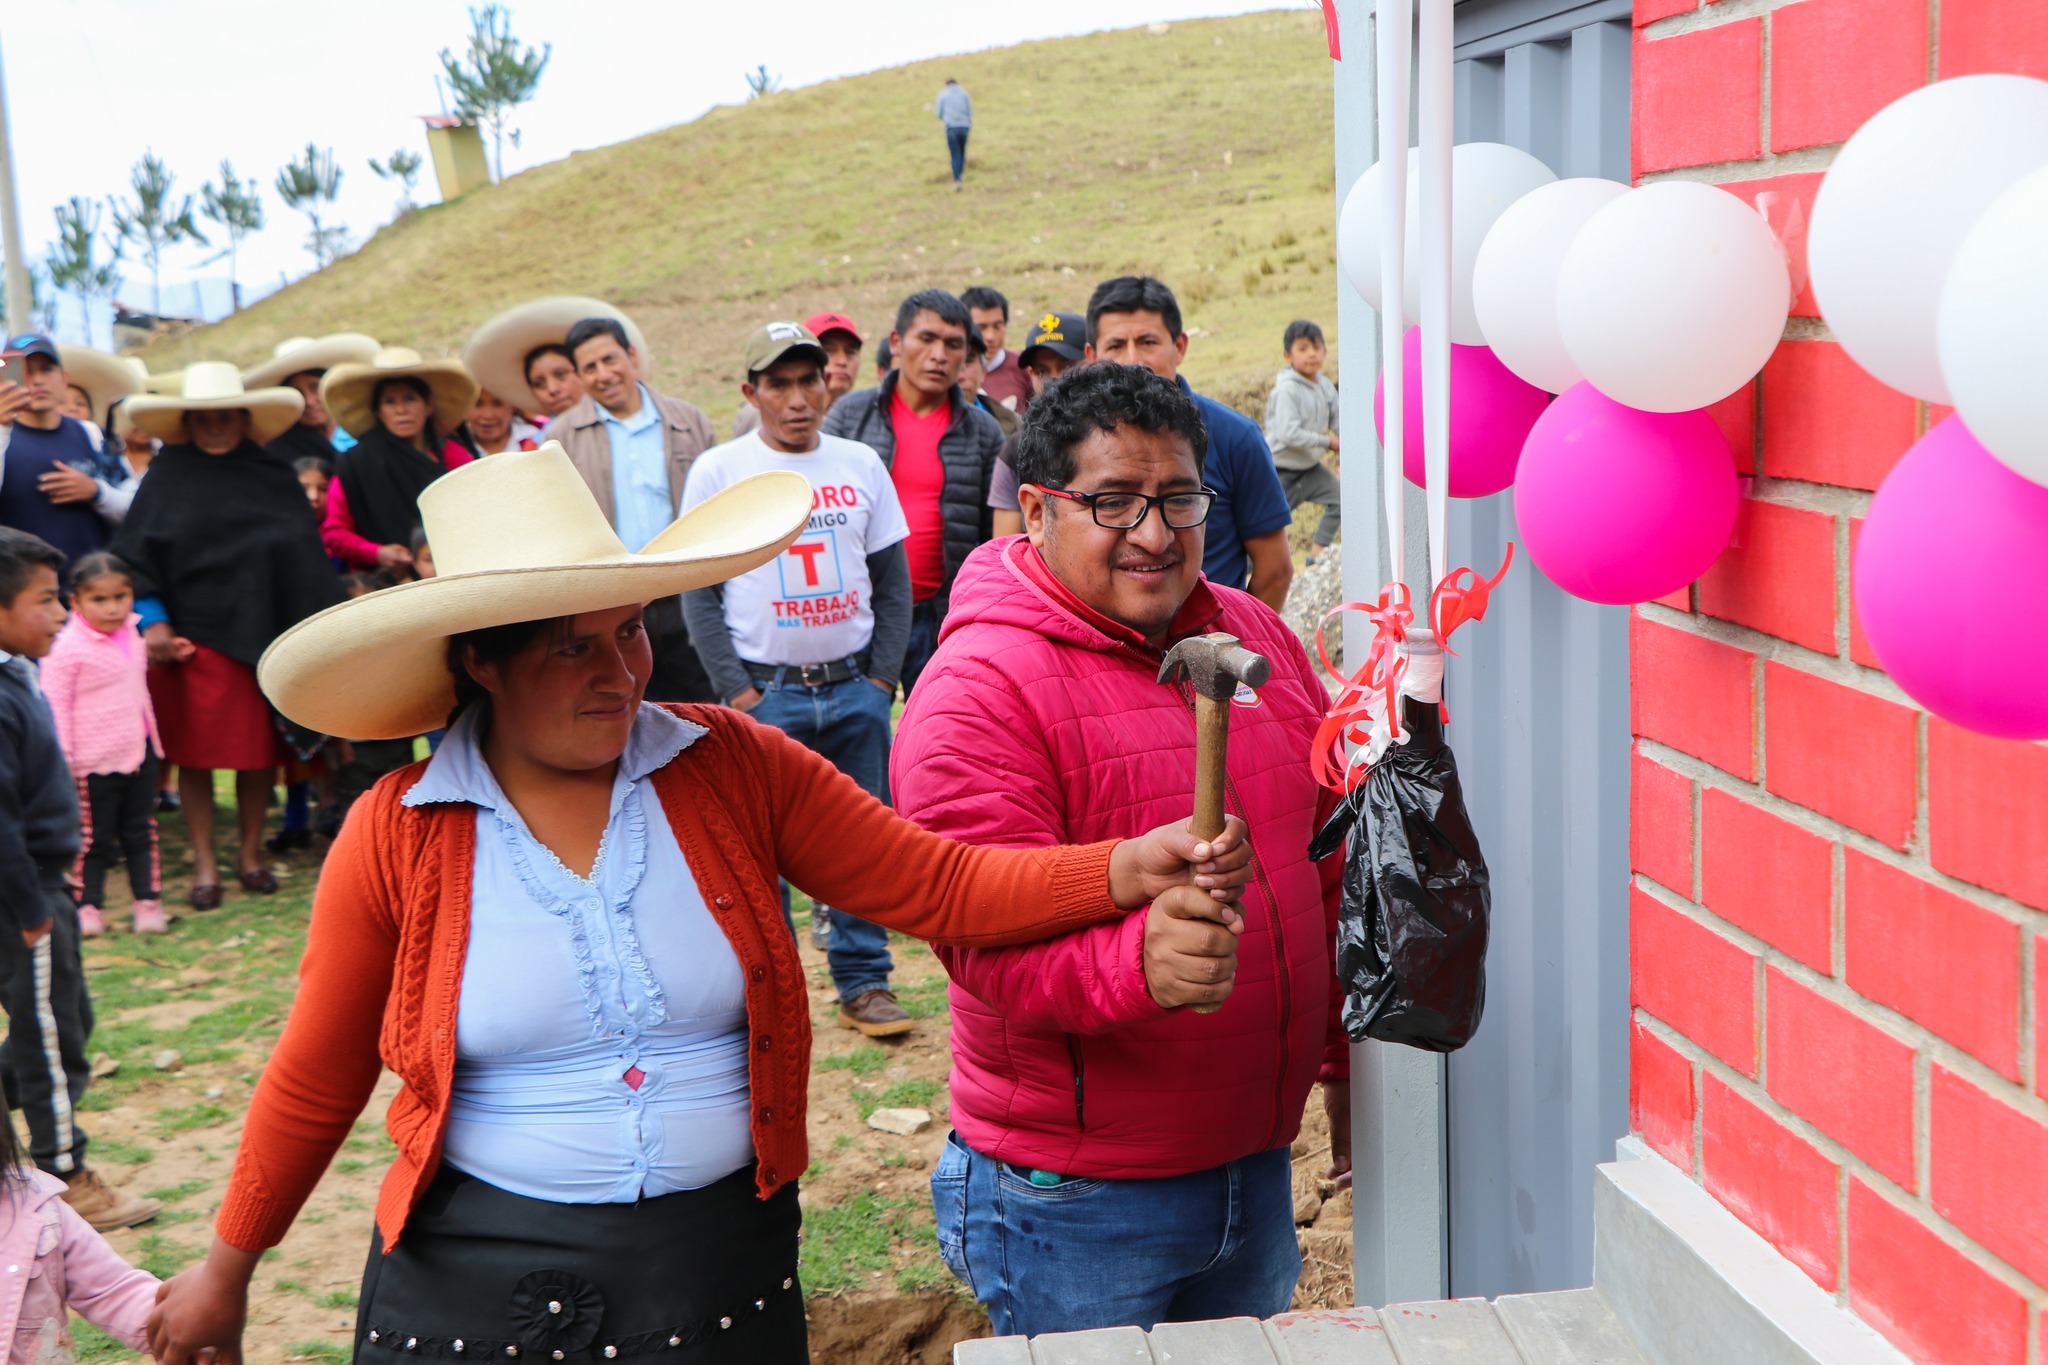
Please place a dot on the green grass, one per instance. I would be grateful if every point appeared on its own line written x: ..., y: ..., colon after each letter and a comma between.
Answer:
x: 1202, y: 154
x: 845, y: 1244
x: 178, y: 1120
x: 866, y: 1061
x: 171, y: 1194
x: 119, y: 1152
x: 94, y: 1347
x: 321, y: 1351
x: 162, y: 1257
x: 917, y: 1093
x: 339, y: 1298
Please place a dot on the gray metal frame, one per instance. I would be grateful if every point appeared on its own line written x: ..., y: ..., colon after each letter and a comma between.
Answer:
x: 1475, y: 1173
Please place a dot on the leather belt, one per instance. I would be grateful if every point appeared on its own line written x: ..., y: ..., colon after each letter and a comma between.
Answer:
x: 810, y: 675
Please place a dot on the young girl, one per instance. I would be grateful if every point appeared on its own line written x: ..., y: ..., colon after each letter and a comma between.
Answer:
x: 65, y: 1264
x: 96, y: 678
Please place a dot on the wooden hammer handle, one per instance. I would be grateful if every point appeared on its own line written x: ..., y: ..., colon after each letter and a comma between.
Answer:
x: 1212, y: 737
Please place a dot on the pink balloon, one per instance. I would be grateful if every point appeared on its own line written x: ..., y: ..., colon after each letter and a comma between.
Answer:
x: 1947, y: 581
x: 1619, y: 505
x: 1492, y: 409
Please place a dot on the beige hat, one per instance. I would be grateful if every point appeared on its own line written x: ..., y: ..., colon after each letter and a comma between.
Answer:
x: 517, y: 537
x: 347, y: 388
x: 103, y: 377
x: 296, y: 355
x: 215, y: 386
x: 496, y: 355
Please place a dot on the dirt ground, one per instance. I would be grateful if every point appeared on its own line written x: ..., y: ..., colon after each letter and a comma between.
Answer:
x: 217, y: 988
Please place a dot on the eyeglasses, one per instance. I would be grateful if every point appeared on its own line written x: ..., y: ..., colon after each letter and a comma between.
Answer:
x: 1127, y: 511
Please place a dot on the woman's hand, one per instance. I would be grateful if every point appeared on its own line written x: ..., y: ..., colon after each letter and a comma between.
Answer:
x: 1190, y: 952
x: 1145, y: 868
x: 165, y: 645
x: 200, y: 1313
x: 393, y: 557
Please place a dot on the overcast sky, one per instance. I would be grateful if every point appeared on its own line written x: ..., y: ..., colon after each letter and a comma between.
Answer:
x: 91, y: 83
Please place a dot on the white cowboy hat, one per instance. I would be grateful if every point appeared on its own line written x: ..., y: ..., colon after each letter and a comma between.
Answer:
x: 296, y: 355
x: 517, y: 537
x: 214, y: 386
x: 103, y: 377
x: 347, y: 388
x: 496, y: 355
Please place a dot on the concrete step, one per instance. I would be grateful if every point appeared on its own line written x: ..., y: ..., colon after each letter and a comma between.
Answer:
x: 1574, y: 1328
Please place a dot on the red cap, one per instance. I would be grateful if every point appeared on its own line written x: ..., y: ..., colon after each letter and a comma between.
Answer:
x: 820, y: 323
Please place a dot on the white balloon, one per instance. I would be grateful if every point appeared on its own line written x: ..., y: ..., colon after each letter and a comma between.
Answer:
x: 1896, y: 204
x: 1486, y: 177
x: 1514, y: 277
x: 1993, y: 328
x: 1673, y: 296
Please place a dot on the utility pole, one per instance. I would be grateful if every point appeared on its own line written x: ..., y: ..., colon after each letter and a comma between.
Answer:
x: 17, y: 293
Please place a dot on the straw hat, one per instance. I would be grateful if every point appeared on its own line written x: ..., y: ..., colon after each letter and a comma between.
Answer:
x: 215, y: 386
x: 103, y: 377
x: 165, y: 381
x: 496, y: 355
x: 347, y: 388
x: 517, y: 537
x: 296, y: 355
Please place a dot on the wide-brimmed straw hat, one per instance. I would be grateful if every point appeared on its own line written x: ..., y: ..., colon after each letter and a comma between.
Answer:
x: 347, y: 389
x: 496, y: 355
x: 517, y: 537
x: 103, y: 377
x: 297, y: 355
x: 215, y: 386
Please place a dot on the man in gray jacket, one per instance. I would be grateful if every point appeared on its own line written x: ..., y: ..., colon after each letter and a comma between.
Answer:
x: 634, y: 448
x: 956, y: 111
x: 939, y: 450
x: 1301, y: 427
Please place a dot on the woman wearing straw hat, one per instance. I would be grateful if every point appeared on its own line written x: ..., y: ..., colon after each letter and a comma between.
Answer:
x: 519, y: 356
x: 226, y: 555
x: 301, y: 363
x: 401, y: 410
x: 563, y: 933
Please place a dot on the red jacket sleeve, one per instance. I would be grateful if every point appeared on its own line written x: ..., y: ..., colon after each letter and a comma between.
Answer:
x: 338, y: 532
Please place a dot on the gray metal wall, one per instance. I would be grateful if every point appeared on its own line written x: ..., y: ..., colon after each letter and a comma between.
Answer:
x: 1539, y: 716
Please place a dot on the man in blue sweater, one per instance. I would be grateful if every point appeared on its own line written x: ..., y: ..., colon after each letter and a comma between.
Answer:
x: 956, y: 111
x: 42, y: 976
x: 47, y: 460
x: 1135, y: 320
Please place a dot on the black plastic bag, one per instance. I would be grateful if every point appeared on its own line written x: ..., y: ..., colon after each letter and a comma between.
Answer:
x: 1411, y: 939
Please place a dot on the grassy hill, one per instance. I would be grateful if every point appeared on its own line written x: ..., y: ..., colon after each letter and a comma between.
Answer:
x: 1199, y: 152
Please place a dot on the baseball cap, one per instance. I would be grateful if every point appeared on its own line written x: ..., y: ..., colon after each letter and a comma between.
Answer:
x: 777, y: 340
x: 822, y: 323
x: 34, y: 343
x: 1064, y: 334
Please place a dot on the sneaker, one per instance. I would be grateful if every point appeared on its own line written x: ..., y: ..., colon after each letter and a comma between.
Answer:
x: 149, y: 917
x: 91, y: 923
x: 105, y: 1207
x: 821, y: 930
x: 876, y: 1014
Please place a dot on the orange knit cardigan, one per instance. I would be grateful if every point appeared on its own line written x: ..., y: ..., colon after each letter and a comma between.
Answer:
x: 383, y: 966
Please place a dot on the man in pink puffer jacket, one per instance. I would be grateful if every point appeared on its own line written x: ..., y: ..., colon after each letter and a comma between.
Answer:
x: 1116, y: 1157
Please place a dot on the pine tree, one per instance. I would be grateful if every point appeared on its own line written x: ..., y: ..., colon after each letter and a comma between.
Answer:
x: 494, y: 76
x: 232, y: 204
x: 308, y: 185
x: 153, y: 219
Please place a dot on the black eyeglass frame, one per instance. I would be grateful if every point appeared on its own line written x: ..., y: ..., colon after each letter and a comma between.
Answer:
x: 1149, y: 501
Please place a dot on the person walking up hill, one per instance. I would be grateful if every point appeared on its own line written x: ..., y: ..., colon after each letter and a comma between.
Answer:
x: 956, y: 111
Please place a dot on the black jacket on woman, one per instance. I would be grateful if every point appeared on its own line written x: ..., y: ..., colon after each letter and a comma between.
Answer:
x: 382, y: 478
x: 231, y: 546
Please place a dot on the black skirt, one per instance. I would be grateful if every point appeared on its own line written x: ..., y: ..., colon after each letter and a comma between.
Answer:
x: 695, y: 1278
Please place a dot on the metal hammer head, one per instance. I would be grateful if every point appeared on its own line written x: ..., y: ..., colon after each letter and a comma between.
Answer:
x: 1214, y: 665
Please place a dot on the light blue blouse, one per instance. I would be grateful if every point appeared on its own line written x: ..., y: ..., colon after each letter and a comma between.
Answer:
x: 575, y: 987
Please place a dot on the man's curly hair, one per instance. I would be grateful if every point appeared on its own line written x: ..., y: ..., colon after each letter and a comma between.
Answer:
x: 1101, y: 397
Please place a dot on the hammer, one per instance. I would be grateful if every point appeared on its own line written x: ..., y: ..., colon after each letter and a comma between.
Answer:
x: 1214, y: 665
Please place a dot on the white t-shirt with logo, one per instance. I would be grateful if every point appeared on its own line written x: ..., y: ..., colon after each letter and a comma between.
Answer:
x: 813, y: 603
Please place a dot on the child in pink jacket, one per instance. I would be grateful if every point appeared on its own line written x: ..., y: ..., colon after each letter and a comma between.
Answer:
x: 50, y: 1261
x: 96, y: 679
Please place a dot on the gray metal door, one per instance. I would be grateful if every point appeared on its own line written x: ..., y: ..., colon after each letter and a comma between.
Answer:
x: 1539, y: 715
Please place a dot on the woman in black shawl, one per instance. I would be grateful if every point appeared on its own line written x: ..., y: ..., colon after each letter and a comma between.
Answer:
x: 226, y: 555
x: 400, y: 409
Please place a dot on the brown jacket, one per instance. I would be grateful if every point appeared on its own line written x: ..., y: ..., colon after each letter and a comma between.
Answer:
x: 686, y: 434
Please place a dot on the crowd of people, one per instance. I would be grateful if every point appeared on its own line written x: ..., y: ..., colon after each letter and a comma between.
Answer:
x: 550, y: 577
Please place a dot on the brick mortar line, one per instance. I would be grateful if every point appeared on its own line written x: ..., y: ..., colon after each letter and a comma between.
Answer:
x: 1833, y: 668
x: 1919, y: 1207
x: 1924, y: 1042
x: 1809, y: 496
x: 1709, y: 16
x: 1916, y: 862
x: 1798, y: 161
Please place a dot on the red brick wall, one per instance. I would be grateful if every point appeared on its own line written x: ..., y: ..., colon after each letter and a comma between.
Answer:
x: 1840, y: 914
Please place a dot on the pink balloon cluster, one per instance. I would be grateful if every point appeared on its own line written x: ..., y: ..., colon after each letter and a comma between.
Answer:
x: 1619, y: 505
x: 1948, y: 580
x: 1491, y: 413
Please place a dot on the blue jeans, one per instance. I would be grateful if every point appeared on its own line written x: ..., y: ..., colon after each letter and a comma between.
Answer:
x: 924, y: 641
x: 847, y: 723
x: 1111, y: 1253
x: 956, y: 146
